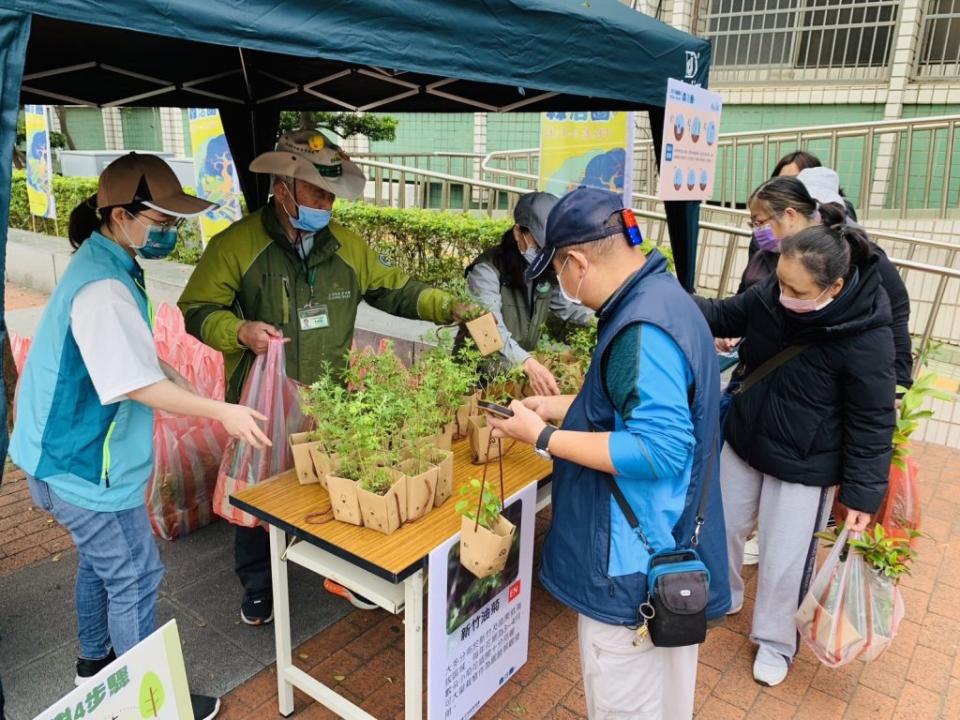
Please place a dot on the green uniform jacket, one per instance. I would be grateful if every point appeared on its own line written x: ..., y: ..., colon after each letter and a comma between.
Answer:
x: 251, y: 271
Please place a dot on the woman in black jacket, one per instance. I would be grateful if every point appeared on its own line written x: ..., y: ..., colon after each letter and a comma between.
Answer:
x: 783, y: 206
x: 823, y: 418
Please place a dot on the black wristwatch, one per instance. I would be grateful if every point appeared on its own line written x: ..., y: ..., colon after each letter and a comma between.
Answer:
x: 543, y: 442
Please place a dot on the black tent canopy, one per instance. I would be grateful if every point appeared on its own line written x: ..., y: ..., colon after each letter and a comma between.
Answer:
x: 252, y: 58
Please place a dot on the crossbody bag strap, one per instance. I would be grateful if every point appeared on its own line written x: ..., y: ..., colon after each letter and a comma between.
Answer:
x: 781, y: 358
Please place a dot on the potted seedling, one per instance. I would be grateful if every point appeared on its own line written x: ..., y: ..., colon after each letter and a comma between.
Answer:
x: 485, y: 535
x: 481, y: 323
x: 325, y: 402
x: 500, y: 389
x: 381, y: 493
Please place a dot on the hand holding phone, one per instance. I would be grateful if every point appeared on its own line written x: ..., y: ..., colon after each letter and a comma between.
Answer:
x: 495, y: 409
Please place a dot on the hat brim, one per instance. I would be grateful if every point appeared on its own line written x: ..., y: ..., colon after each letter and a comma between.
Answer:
x: 539, y: 265
x: 180, y: 205
x: 349, y: 185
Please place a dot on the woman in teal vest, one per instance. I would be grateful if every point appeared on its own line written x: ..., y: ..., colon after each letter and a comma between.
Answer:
x: 84, y: 422
x: 496, y: 280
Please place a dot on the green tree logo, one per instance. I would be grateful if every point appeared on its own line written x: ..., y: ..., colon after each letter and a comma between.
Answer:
x: 151, y: 696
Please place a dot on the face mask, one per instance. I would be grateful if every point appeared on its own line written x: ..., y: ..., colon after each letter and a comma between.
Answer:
x: 801, y: 307
x: 530, y: 254
x: 158, y: 243
x: 765, y: 239
x: 563, y: 293
x: 308, y: 219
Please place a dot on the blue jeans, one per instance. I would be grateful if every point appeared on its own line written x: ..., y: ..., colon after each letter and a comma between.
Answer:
x: 118, y: 576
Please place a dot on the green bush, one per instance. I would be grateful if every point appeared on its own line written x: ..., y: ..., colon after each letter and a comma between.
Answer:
x: 430, y: 245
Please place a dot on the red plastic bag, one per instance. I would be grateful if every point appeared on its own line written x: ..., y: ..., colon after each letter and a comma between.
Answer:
x: 851, y: 611
x: 269, y: 391
x: 20, y: 347
x: 900, y: 510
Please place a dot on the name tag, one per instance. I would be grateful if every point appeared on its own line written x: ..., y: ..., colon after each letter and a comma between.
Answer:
x: 313, y: 317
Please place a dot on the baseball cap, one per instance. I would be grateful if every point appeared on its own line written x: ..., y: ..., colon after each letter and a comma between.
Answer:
x: 582, y: 215
x: 310, y: 156
x: 822, y: 183
x: 146, y: 179
x: 531, y: 212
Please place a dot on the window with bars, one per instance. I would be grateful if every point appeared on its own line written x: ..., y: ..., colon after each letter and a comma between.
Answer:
x: 940, y: 39
x: 800, y: 34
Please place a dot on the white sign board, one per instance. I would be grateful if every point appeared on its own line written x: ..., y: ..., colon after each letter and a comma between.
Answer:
x: 688, y: 157
x: 479, y: 629
x: 145, y: 683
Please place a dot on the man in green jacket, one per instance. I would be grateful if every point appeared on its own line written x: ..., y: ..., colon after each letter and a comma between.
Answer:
x: 289, y: 270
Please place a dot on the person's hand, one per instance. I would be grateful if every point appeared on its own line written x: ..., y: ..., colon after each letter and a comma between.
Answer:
x: 725, y: 345
x: 856, y: 521
x: 241, y: 423
x: 549, y: 407
x: 525, y: 425
x: 256, y: 335
x: 463, y: 312
x: 541, y: 379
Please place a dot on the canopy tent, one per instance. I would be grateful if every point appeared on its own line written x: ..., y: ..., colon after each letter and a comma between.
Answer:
x: 252, y: 58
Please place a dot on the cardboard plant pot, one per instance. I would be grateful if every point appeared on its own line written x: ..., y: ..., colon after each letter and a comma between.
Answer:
x: 467, y: 408
x: 444, y: 463
x: 485, y: 334
x: 484, y: 552
x: 421, y: 487
x: 483, y: 450
x: 323, y: 464
x: 301, y: 446
x: 344, y: 500
x: 385, y: 513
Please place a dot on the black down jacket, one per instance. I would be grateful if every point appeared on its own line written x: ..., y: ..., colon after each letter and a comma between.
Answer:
x: 827, y: 416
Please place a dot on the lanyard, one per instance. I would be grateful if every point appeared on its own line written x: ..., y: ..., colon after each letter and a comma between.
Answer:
x: 151, y: 314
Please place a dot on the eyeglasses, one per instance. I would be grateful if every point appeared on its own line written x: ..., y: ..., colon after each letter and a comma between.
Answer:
x: 755, y: 224
x: 175, y: 223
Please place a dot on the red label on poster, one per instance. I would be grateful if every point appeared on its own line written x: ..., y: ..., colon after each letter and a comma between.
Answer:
x: 514, y: 592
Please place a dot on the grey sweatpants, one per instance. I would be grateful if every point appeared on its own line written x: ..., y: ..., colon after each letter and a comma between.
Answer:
x: 788, y: 515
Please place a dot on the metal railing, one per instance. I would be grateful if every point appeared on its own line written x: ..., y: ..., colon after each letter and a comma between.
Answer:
x: 889, y: 168
x: 797, y: 40
x: 939, y: 52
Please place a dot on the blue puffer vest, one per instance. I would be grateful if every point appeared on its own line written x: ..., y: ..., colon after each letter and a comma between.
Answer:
x: 577, y: 548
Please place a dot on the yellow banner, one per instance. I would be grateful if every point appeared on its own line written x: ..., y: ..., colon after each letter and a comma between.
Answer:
x: 217, y: 178
x: 39, y: 163
x: 584, y: 148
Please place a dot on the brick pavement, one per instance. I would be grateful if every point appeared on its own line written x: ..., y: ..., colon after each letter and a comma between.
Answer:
x: 917, y: 679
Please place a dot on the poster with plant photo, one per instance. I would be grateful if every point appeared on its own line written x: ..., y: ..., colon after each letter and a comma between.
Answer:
x: 478, y: 628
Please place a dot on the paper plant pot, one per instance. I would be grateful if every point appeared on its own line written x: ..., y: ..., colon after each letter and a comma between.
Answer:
x: 444, y: 461
x: 343, y: 499
x: 421, y: 488
x: 485, y: 334
x: 483, y: 450
x: 383, y: 512
x: 301, y: 446
x: 323, y: 464
x: 484, y: 552
x: 467, y: 408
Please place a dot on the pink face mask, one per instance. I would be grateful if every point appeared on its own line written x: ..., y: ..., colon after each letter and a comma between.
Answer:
x: 801, y: 307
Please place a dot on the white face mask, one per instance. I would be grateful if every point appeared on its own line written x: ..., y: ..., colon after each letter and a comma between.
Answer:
x: 530, y: 254
x: 570, y: 299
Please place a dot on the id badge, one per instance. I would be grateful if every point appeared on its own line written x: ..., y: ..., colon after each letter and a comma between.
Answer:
x: 313, y: 317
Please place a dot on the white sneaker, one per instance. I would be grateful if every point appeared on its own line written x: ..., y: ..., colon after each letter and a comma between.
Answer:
x: 751, y: 551
x: 735, y: 610
x: 770, y: 669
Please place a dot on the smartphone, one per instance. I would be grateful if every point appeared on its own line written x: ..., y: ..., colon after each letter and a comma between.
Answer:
x: 494, y: 409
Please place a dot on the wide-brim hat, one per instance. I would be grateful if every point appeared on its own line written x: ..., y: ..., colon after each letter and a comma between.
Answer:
x: 309, y: 156
x: 148, y: 180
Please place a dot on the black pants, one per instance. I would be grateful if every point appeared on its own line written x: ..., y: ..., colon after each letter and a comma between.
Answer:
x: 251, y: 554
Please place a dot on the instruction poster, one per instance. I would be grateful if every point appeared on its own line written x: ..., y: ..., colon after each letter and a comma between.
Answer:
x: 146, y: 683
x: 217, y: 179
x: 39, y: 162
x: 586, y: 148
x: 479, y: 629
x: 691, y: 128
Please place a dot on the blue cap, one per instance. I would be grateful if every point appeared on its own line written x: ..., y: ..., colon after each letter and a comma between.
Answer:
x: 582, y: 215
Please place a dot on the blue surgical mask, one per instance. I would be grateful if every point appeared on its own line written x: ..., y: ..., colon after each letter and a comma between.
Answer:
x: 159, y: 240
x: 309, y: 219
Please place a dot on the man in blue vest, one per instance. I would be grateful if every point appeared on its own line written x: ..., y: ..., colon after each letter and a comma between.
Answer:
x: 647, y: 417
